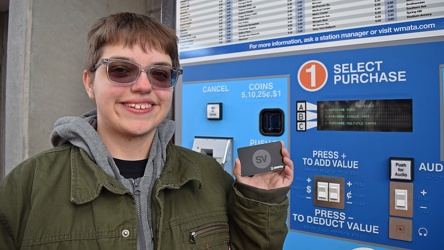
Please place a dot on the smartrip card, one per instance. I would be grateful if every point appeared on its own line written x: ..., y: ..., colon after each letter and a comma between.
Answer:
x: 260, y: 158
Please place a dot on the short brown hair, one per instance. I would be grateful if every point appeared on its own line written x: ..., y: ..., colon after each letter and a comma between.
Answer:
x: 130, y: 29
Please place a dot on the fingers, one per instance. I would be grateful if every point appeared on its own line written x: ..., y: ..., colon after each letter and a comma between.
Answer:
x: 288, y: 163
x: 289, y: 173
x: 286, y: 157
x: 285, y: 153
x: 237, y: 168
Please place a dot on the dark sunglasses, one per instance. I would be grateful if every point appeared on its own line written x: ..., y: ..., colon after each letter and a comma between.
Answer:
x: 121, y: 71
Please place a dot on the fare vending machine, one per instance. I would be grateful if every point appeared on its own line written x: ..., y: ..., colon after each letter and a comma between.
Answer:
x: 360, y: 108
x: 367, y: 141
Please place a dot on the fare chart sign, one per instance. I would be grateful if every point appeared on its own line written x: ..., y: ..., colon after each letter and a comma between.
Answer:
x: 232, y: 28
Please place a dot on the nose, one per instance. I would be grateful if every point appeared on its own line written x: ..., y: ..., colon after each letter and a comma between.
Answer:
x: 142, y: 83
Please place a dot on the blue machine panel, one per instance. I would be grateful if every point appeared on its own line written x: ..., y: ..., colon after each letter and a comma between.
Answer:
x: 362, y: 157
x: 242, y: 101
x: 365, y: 205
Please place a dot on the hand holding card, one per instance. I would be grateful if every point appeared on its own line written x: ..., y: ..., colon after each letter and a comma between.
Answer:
x: 261, y: 158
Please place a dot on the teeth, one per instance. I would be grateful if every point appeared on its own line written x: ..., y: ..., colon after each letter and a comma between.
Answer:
x: 138, y: 106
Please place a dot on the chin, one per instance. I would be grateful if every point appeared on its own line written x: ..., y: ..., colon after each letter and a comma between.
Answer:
x: 141, y: 130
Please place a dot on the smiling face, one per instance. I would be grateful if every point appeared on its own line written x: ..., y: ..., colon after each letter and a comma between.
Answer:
x: 128, y: 112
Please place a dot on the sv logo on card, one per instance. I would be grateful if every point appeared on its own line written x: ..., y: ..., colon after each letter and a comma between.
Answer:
x: 261, y: 158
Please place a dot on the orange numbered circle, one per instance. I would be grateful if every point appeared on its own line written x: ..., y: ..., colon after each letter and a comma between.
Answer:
x: 312, y: 75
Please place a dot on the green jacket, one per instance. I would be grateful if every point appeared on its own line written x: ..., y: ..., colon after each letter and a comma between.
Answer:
x: 46, y: 205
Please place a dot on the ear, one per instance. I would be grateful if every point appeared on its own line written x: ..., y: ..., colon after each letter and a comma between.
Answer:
x: 88, y: 79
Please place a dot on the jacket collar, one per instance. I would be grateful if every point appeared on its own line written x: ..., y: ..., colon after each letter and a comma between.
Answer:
x: 88, y: 180
x: 179, y: 169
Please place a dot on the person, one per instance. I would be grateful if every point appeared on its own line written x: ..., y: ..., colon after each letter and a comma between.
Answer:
x: 115, y: 180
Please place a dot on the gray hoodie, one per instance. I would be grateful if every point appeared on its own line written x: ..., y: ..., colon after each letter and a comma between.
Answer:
x: 81, y: 132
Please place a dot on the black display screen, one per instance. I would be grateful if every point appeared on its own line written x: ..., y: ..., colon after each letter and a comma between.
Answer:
x: 366, y: 115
